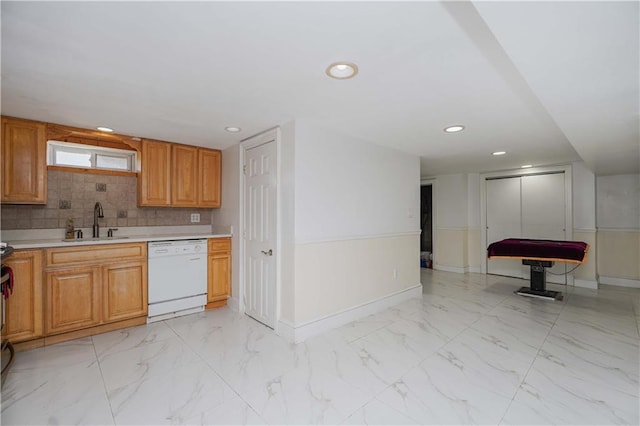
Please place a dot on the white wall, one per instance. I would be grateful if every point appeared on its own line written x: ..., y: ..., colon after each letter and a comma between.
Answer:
x: 618, y: 223
x: 452, y: 238
x: 584, y: 222
x: 451, y: 206
x: 583, y: 197
x: 618, y: 201
x: 474, y: 246
x: 349, y: 188
x: 288, y: 220
x: 356, y: 223
x: 349, y: 226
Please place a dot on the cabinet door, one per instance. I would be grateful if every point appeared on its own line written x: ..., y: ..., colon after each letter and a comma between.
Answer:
x: 24, y: 306
x: 184, y: 176
x: 155, y: 174
x: 219, y: 276
x: 72, y: 299
x: 23, y: 162
x: 209, y: 178
x: 124, y: 290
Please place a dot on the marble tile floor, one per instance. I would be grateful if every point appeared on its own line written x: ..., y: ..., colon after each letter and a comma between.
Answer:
x: 468, y: 351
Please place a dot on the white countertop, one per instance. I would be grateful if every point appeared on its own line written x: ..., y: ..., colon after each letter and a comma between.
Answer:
x: 30, y: 244
x: 49, y: 238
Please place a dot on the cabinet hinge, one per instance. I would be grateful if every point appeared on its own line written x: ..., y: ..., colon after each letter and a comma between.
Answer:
x: 244, y: 169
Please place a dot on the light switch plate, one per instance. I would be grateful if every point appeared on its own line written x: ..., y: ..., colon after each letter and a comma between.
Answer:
x: 195, y: 217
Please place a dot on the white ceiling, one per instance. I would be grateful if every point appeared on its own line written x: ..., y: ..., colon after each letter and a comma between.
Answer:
x: 549, y: 82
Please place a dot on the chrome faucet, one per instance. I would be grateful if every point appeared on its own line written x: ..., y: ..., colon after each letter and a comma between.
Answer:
x: 97, y: 213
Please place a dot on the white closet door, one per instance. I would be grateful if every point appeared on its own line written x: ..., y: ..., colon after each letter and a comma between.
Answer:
x: 504, y: 221
x: 543, y: 213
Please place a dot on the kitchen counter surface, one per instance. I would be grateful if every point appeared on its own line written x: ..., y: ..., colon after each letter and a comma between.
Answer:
x: 47, y: 241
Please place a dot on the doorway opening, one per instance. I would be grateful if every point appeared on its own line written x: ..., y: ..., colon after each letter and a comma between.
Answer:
x: 426, y: 226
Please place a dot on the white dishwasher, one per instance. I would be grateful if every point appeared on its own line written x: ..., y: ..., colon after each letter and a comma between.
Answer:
x: 177, y: 278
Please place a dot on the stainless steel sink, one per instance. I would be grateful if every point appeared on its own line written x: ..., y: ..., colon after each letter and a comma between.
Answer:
x: 80, y: 240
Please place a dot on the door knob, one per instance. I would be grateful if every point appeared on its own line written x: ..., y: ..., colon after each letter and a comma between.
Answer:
x: 268, y: 253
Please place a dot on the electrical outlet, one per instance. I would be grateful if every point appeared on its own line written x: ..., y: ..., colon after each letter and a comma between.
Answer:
x: 122, y: 214
x: 101, y: 187
x: 195, y: 217
x: 64, y: 204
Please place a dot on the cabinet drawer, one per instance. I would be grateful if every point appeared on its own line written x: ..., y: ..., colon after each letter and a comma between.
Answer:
x: 219, y: 244
x: 94, y: 254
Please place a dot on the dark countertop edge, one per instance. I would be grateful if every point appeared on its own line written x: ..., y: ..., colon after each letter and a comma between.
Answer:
x: 8, y: 251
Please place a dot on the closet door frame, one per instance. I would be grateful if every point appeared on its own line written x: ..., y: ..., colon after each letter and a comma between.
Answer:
x: 519, y: 173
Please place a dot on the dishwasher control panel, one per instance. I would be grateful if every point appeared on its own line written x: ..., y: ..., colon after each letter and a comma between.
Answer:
x: 177, y: 248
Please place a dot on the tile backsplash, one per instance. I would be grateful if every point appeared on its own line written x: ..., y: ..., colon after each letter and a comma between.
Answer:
x: 75, y: 194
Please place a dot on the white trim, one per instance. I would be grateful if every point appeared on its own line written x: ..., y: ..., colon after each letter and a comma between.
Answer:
x: 592, y: 284
x: 234, y: 304
x: 449, y: 268
x: 621, y: 282
x: 359, y: 237
x: 618, y: 230
x: 585, y: 230
x: 456, y: 228
x: 474, y: 269
x: 301, y: 332
x: 267, y: 136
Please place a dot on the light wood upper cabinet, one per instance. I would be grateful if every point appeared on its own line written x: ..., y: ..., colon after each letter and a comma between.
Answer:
x: 24, y: 307
x: 209, y: 178
x: 184, y: 176
x: 24, y: 167
x: 219, y: 269
x: 154, y: 181
x: 175, y: 175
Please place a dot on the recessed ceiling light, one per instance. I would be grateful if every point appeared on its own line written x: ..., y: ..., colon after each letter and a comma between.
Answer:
x: 526, y: 166
x: 454, y: 129
x: 342, y: 70
x: 232, y: 129
x: 105, y: 129
x: 499, y: 153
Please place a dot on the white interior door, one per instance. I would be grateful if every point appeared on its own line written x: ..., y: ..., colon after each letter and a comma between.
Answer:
x: 504, y: 220
x: 543, y: 214
x: 260, y: 188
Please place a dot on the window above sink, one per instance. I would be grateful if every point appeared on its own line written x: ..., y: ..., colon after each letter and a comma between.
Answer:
x: 69, y: 154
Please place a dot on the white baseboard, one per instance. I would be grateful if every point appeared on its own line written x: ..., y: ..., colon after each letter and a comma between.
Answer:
x: 456, y: 269
x: 301, y: 332
x: 622, y: 282
x: 592, y: 284
x: 448, y: 268
x: 234, y: 304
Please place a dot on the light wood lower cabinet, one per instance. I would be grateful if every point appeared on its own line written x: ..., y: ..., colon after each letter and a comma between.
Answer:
x: 89, y: 286
x: 219, y: 271
x: 124, y: 290
x: 23, y: 309
x: 73, y: 299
